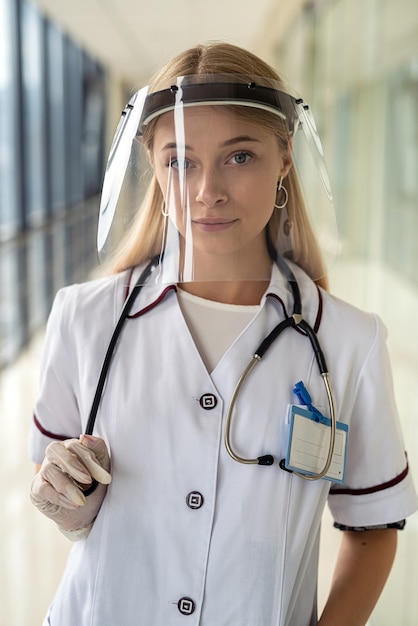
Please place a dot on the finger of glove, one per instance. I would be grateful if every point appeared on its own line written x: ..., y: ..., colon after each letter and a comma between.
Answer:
x: 58, y: 454
x: 89, y: 459
x: 99, y: 447
x: 52, y: 488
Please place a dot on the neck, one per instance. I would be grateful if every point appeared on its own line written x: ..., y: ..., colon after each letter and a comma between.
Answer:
x: 241, y: 292
x: 241, y: 277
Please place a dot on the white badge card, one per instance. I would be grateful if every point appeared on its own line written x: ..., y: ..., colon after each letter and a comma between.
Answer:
x: 308, y: 444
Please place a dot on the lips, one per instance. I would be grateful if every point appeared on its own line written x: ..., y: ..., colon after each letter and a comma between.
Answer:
x: 212, y: 224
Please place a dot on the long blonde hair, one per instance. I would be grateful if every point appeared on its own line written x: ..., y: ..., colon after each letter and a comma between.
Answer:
x: 143, y: 241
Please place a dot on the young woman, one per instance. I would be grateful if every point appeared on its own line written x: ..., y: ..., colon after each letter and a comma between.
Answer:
x: 227, y: 433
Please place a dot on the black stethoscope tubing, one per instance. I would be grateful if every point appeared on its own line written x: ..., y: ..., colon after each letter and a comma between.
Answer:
x: 295, y: 320
x: 112, y: 344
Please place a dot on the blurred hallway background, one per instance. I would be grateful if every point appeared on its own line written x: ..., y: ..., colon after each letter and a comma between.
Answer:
x: 66, y: 71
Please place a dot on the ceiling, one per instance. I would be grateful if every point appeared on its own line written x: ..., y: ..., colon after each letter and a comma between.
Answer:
x: 134, y: 37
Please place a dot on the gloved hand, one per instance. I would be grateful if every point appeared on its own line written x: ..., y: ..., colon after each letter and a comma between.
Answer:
x: 69, y: 468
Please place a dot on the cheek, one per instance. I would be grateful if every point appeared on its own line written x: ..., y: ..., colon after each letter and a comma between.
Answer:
x: 259, y: 198
x: 170, y: 188
x: 178, y: 205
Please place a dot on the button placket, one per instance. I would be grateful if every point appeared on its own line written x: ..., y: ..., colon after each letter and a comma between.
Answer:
x: 195, y: 501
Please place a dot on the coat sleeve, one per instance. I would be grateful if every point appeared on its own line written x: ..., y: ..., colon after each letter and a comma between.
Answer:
x: 56, y: 413
x: 378, y: 487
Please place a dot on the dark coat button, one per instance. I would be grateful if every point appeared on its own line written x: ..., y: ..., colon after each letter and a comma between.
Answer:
x: 194, y: 500
x: 208, y: 401
x: 186, y: 606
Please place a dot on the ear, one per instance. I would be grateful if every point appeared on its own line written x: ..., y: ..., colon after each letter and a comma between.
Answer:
x: 287, y: 159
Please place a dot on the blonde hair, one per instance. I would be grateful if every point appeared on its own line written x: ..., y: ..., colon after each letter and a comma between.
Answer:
x: 143, y: 241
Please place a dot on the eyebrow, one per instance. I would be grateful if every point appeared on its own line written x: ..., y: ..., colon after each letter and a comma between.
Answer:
x: 229, y: 142
x: 172, y: 145
x: 239, y: 139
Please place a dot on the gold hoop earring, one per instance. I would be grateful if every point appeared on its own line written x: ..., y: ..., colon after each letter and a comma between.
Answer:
x: 163, y: 211
x: 286, y: 195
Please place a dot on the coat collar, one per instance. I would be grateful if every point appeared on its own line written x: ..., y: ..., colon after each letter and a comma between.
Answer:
x: 278, y: 293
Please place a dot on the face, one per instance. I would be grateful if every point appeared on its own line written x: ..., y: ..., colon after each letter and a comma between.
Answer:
x: 219, y: 179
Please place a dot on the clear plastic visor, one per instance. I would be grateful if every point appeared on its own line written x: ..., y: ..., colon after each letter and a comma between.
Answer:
x: 214, y: 178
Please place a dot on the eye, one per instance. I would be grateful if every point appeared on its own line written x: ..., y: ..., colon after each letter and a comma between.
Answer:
x: 179, y: 164
x: 240, y: 158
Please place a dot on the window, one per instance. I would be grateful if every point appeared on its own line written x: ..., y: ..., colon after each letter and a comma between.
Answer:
x: 34, y: 126
x: 401, y: 181
x: 52, y: 112
x: 73, y: 89
x: 56, y: 117
x: 93, y: 127
x: 10, y: 209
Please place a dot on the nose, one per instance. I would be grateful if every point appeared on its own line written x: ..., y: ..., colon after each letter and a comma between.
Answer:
x: 211, y: 190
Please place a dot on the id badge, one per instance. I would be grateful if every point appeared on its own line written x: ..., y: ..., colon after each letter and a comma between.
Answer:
x: 308, y: 445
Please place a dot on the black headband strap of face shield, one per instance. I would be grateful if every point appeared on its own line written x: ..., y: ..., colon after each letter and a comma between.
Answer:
x: 250, y: 94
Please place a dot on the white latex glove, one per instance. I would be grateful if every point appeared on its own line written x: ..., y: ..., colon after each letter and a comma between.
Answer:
x: 68, y: 469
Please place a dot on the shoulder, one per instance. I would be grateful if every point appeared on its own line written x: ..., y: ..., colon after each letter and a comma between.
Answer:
x: 341, y: 326
x: 332, y: 315
x: 88, y: 308
x: 354, y: 342
x: 348, y: 321
x: 94, y: 296
x: 81, y: 322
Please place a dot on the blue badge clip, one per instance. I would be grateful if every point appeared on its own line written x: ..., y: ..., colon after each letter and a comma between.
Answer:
x: 304, y: 398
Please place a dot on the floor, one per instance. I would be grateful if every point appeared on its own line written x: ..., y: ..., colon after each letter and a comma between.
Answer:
x: 32, y: 552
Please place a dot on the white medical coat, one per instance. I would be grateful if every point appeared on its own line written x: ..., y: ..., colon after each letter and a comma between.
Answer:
x: 185, y: 535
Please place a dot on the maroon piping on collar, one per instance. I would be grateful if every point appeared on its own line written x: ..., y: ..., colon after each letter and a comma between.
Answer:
x: 153, y: 304
x: 318, y: 314
x: 150, y: 306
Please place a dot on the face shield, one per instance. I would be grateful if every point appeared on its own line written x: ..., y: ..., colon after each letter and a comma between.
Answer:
x: 213, y: 178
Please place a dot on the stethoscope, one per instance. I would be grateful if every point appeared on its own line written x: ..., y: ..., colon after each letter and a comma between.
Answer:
x: 294, y: 321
